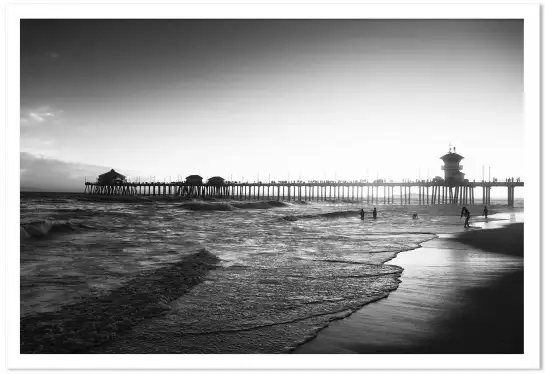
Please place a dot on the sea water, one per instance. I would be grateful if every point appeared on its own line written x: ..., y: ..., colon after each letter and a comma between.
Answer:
x: 165, y: 275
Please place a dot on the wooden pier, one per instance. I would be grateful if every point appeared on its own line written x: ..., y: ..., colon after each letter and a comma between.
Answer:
x: 421, y: 193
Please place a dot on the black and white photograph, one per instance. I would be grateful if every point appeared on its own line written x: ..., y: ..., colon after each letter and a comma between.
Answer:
x: 301, y: 186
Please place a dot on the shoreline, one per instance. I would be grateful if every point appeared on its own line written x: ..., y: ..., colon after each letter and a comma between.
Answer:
x: 455, y: 296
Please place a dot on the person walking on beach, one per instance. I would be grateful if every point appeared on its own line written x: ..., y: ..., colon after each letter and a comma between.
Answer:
x: 463, y: 211
x: 485, y: 212
x: 467, y: 215
x: 374, y: 213
x: 362, y: 214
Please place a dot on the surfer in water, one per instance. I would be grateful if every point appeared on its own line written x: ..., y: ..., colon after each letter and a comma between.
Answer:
x: 467, y: 215
x: 374, y: 213
x: 485, y: 212
x: 362, y: 214
x: 415, y: 215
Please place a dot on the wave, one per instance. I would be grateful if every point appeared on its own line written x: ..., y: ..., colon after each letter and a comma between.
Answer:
x: 346, y: 201
x: 277, y: 204
x: 290, y: 218
x: 115, y: 199
x: 46, y: 227
x: 260, y: 205
x: 208, y: 198
x: 402, y: 233
x: 340, y: 214
x: 69, y: 210
x: 93, y: 321
x: 207, y: 206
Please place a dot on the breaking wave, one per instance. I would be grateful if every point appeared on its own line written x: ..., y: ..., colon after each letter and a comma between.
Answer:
x: 40, y: 229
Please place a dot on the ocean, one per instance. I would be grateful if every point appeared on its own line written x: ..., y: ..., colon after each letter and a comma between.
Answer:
x: 167, y: 275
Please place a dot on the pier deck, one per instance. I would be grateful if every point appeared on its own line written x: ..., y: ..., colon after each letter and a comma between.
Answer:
x: 423, y: 192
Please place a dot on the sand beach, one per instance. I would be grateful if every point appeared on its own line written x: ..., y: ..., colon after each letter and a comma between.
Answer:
x: 460, y: 293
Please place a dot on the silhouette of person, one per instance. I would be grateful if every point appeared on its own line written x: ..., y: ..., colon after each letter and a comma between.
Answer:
x: 485, y: 212
x: 468, y: 215
x: 463, y: 211
x: 374, y: 213
x: 362, y: 214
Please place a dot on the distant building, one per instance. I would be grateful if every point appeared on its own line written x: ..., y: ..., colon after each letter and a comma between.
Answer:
x: 452, y: 168
x: 193, y: 180
x: 216, y: 181
x: 111, y: 178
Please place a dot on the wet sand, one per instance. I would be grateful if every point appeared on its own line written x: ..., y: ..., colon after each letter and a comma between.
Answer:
x: 507, y: 240
x: 454, y: 298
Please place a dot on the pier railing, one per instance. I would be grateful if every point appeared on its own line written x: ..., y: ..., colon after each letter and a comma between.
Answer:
x: 423, y: 192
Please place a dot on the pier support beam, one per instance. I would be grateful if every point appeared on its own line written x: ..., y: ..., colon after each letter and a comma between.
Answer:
x: 511, y: 196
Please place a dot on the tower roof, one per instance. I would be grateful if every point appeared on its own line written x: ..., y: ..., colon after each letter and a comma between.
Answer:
x: 111, y: 175
x: 452, y: 156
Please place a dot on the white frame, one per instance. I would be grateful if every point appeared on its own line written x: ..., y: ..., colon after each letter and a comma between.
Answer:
x: 528, y: 12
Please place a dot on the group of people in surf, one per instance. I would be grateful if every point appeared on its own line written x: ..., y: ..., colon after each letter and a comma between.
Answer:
x: 465, y: 213
x: 362, y: 214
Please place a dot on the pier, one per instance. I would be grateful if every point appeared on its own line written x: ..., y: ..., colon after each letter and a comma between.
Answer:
x: 402, y: 193
x: 454, y: 188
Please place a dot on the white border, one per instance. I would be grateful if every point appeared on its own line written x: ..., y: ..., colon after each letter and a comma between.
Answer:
x: 529, y: 12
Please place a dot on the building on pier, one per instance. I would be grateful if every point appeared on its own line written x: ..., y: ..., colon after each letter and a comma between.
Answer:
x: 216, y: 181
x: 452, y: 167
x: 193, y: 180
x: 111, y: 178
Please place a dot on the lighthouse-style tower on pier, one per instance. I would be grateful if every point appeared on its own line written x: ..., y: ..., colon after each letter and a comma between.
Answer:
x: 452, y: 167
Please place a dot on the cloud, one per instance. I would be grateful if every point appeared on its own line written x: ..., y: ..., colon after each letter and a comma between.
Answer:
x: 39, y: 115
x: 40, y: 173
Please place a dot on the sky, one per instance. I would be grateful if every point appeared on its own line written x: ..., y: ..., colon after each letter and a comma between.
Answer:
x: 260, y: 99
